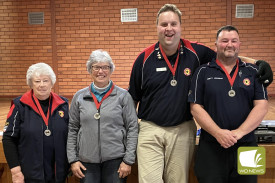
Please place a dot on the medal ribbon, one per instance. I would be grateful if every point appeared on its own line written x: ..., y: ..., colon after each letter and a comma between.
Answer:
x: 45, y: 119
x: 172, y: 69
x: 231, y: 80
x: 98, y: 104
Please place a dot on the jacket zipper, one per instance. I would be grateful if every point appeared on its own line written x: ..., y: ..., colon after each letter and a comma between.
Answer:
x: 99, y: 144
x: 43, y: 148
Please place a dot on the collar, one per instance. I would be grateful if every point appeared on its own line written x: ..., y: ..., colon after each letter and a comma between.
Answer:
x: 215, y: 65
x: 160, y: 56
x: 87, y: 94
x: 100, y: 91
x: 28, y: 100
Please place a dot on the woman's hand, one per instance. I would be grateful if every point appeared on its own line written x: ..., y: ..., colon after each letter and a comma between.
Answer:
x: 124, y: 170
x: 17, y: 175
x: 76, y: 169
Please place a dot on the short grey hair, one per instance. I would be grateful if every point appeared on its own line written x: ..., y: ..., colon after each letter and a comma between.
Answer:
x: 38, y: 70
x: 169, y: 7
x: 99, y: 56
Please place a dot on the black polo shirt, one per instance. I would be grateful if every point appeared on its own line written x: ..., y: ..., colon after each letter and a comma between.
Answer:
x: 210, y: 88
x: 159, y: 102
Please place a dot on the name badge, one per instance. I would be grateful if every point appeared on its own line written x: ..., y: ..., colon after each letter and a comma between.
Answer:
x: 161, y: 69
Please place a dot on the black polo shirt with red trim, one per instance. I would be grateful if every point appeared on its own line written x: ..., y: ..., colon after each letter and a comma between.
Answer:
x: 159, y: 101
x: 210, y: 88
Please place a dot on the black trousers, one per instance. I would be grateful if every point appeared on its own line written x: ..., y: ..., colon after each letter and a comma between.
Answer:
x: 215, y: 164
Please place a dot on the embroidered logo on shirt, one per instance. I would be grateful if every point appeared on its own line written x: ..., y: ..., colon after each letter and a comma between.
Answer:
x: 187, y: 72
x: 61, y: 113
x: 6, y: 126
x: 246, y: 82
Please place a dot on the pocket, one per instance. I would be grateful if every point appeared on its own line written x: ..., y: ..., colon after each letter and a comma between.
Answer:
x: 124, y: 139
x: 144, y: 126
x: 191, y: 129
x: 79, y: 141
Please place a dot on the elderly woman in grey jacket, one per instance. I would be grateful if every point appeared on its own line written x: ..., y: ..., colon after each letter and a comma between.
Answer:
x: 103, y: 127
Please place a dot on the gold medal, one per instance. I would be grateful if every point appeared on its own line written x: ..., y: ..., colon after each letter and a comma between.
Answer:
x: 97, y: 115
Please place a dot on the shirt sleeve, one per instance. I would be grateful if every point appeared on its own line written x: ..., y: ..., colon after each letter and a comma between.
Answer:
x: 135, y: 84
x: 131, y: 125
x: 73, y: 128
x: 260, y: 90
x: 197, y: 86
x: 11, y: 151
x: 204, y: 53
x: 11, y: 136
x: 12, y: 126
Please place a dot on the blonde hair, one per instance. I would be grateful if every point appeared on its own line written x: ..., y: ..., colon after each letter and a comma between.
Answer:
x: 169, y: 7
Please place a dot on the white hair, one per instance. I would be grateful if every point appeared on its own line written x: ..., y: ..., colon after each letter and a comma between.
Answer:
x: 38, y: 70
x: 99, y: 56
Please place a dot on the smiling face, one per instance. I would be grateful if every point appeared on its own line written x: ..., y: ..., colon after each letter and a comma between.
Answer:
x: 228, y: 44
x: 42, y: 86
x: 169, y: 30
x: 101, y: 73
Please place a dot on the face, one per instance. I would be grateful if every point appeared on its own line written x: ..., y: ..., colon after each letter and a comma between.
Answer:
x: 42, y: 86
x: 101, y: 73
x: 169, y: 29
x: 228, y: 44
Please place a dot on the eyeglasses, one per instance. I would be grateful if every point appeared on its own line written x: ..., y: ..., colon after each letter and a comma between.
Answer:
x: 104, y: 68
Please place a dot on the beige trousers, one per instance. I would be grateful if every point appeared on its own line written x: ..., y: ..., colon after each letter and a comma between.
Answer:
x: 165, y: 153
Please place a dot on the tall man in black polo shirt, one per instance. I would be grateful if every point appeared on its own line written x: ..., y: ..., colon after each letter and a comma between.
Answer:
x: 160, y: 82
x: 228, y: 102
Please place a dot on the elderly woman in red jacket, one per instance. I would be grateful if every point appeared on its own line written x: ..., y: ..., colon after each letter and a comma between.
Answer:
x: 35, y: 133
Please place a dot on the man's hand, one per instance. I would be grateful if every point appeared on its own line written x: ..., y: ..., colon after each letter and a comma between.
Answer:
x: 17, y: 175
x: 238, y: 134
x: 265, y: 73
x: 225, y: 138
